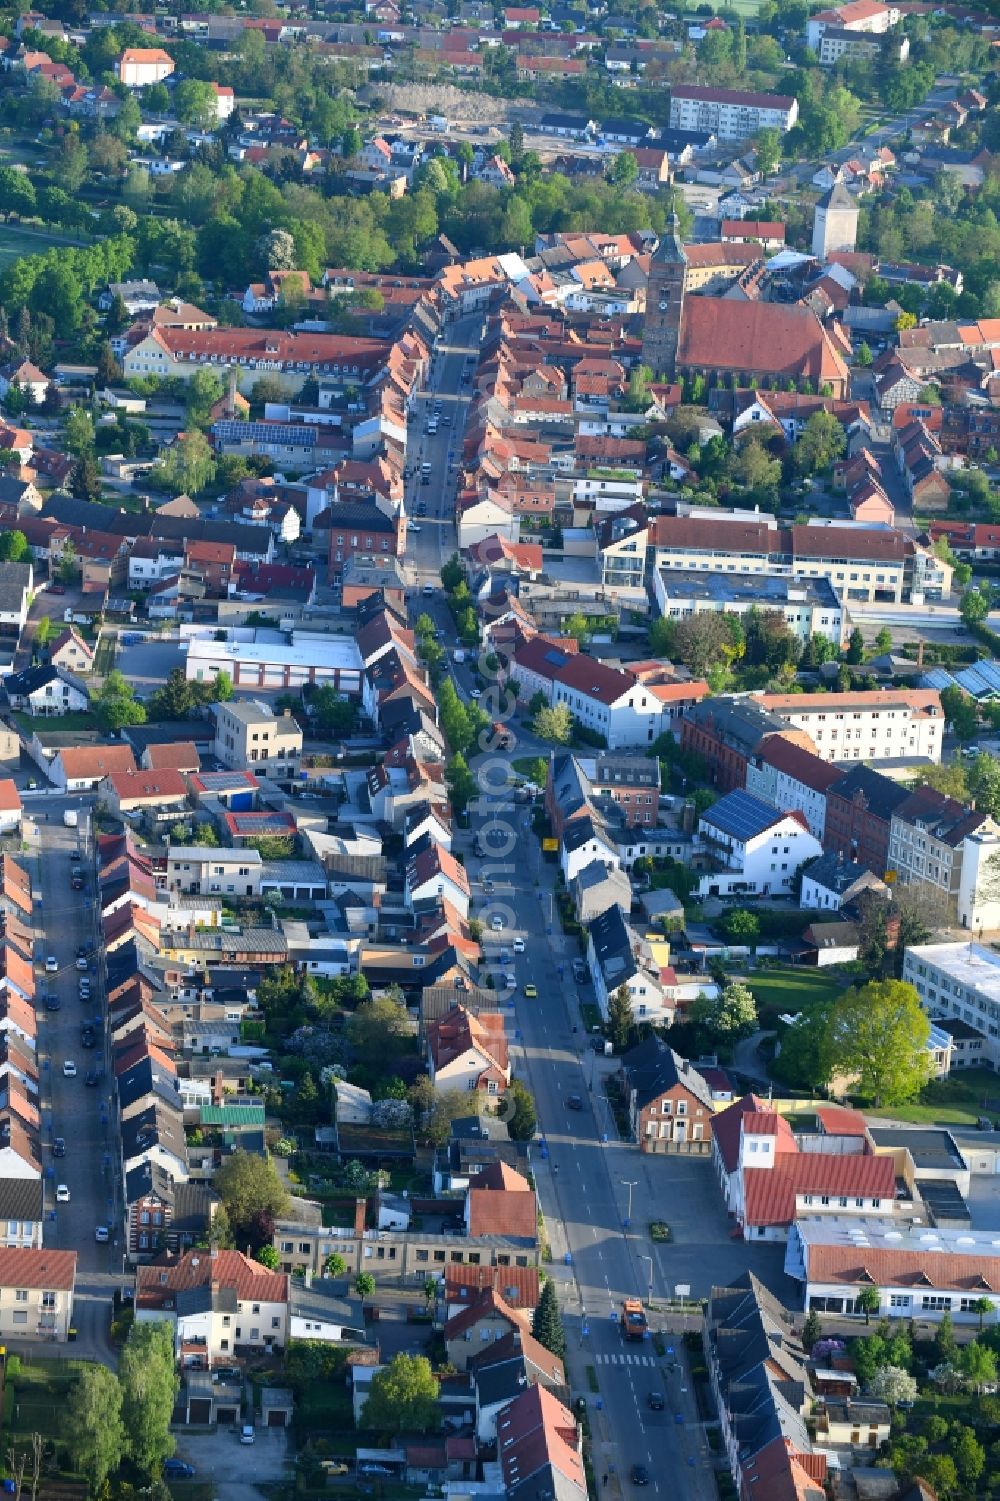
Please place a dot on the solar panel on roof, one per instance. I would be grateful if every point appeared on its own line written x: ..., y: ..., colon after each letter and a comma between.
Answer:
x: 225, y: 781
x: 266, y: 432
x: 742, y: 815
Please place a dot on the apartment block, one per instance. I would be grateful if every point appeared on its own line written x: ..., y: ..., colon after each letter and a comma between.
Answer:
x: 731, y: 114
x: 218, y: 870
x: 881, y: 725
x: 249, y: 733
x: 36, y: 1294
x: 930, y: 836
x: 959, y: 981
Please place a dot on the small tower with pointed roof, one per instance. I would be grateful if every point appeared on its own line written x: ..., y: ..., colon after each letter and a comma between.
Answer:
x: 665, y: 290
x: 835, y: 223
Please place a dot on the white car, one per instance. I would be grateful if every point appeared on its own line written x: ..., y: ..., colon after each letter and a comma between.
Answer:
x: 101, y: 1235
x: 497, y: 924
x: 69, y: 1069
x: 247, y: 1434
x: 414, y: 526
x: 81, y: 964
x: 62, y: 1194
x: 51, y: 964
x: 518, y: 945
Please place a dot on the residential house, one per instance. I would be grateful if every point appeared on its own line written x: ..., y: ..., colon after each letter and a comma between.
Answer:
x: 159, y: 795
x: 832, y: 882
x: 37, y: 1288
x: 539, y: 1448
x: 219, y: 1300
x: 929, y: 837
x: 608, y: 700
x: 670, y: 1104
x: 756, y: 849
x: 140, y: 66
x: 70, y: 652
x: 43, y: 691
x: 795, y: 780
x: 83, y: 768
x: 584, y: 840
x: 196, y: 870
x: 727, y: 733
x: 468, y: 1052
x: 859, y: 811
x: 617, y: 956
x: 249, y: 733
x: 434, y: 874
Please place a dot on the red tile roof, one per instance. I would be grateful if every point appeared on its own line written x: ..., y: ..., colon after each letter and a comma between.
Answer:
x: 836, y: 1121
x: 891, y: 1266
x: 147, y: 786
x: 536, y: 1431
x: 52, y: 1271
x: 727, y: 1128
x: 92, y: 762
x: 799, y: 764
x: 159, y: 1282
x: 519, y: 1286
x: 769, y: 1193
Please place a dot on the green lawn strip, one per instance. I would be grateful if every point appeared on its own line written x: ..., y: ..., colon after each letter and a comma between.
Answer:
x: 777, y: 991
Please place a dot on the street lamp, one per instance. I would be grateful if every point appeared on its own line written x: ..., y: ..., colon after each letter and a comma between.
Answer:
x: 629, y: 1184
x: 649, y: 1297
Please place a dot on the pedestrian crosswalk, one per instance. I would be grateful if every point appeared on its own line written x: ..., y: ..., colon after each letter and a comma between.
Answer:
x: 626, y: 1359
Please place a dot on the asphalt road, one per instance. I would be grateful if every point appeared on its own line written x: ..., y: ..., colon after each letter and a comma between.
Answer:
x: 64, y: 920
x: 447, y: 388
x: 582, y: 1174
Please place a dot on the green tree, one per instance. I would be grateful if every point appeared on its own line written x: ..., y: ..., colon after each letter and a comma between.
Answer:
x: 822, y: 442
x: 204, y: 389
x: 984, y: 784
x: 804, y: 1061
x: 547, y: 1324
x: 434, y: 1110
x: 404, y: 1394
x: 267, y: 1256
x: 149, y: 1385
x: 883, y: 641
x: 195, y: 103
x: 940, y: 1472
x: 44, y: 631
x: 68, y: 562
x: 864, y: 356
x: 621, y: 1021
x: 14, y: 547
x: 522, y: 1118
x: 452, y: 574
x: 78, y: 432
x: 380, y: 1028
x: 767, y: 144
x: 729, y: 1015
x: 249, y: 1187
x: 333, y: 715
x: 92, y: 1428
x: 968, y: 1454
x: 334, y: 1265
x: 555, y: 723
x: 960, y: 711
x: 116, y: 705
x: 879, y: 1033
x: 869, y: 1301
x: 855, y: 653
x: 945, y: 1343
x: 461, y: 782
x: 812, y: 1330
x: 976, y: 605
x: 176, y: 699
x: 741, y: 925
x: 982, y: 1307
x: 978, y: 1364
x: 187, y: 466
x: 707, y: 640
x: 364, y: 1285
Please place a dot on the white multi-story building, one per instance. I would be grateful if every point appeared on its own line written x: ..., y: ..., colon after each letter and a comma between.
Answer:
x: 203, y: 871
x: 221, y: 1300
x: 881, y: 725
x: 863, y: 17
x: 249, y: 733
x: 757, y: 847
x: 730, y: 114
x: 961, y: 981
x: 608, y: 700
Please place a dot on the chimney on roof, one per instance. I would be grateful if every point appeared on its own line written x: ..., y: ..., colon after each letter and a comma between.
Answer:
x: 360, y: 1215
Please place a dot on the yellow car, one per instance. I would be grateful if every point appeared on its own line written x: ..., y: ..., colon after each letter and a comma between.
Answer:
x: 531, y: 991
x: 335, y: 1467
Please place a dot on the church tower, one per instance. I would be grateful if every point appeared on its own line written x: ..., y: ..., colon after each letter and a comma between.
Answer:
x: 665, y: 290
x: 835, y: 222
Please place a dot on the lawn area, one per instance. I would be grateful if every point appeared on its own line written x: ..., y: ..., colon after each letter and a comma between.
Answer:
x: 791, y: 990
x: 958, y: 1101
x: 16, y: 240
x: 54, y: 722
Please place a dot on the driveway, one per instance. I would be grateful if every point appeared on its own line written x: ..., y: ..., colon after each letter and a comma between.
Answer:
x: 230, y: 1465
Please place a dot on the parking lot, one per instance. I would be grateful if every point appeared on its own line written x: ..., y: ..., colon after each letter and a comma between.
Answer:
x: 228, y: 1464
x: 148, y: 664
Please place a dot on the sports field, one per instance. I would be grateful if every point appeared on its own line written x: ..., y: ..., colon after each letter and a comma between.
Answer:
x: 17, y: 240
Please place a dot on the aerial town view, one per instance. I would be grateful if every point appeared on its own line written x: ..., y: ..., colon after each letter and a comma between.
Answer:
x: 500, y: 740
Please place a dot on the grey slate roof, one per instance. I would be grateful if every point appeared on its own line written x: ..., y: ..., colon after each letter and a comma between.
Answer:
x: 652, y: 1068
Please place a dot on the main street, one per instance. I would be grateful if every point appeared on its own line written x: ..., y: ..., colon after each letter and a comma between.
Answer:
x: 81, y: 1115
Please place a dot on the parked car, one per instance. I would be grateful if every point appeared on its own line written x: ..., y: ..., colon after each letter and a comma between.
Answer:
x: 178, y: 1469
x: 247, y: 1434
